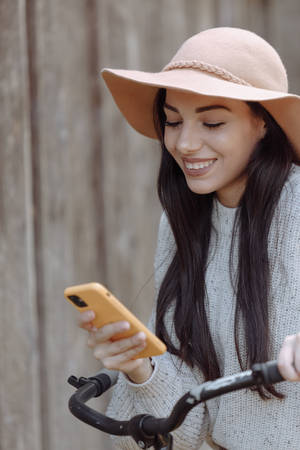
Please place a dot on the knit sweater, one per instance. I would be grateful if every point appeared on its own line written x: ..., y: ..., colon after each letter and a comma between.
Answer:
x: 240, y: 420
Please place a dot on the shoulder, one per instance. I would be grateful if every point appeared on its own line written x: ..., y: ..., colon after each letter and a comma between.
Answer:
x: 165, y: 249
x: 165, y: 235
x: 289, y: 202
x: 291, y: 189
x: 285, y: 227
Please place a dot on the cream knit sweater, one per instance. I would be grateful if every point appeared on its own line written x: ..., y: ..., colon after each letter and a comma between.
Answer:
x: 239, y: 420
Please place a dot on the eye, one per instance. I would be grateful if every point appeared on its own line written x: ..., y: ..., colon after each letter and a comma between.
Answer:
x: 213, y: 125
x: 171, y: 124
x: 207, y: 125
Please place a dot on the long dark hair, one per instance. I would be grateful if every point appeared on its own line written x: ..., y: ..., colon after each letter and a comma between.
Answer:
x: 189, y: 215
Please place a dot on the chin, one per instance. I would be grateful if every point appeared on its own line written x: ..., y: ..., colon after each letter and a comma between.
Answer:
x: 201, y: 190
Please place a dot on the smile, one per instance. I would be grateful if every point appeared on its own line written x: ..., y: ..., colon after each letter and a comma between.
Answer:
x: 198, y: 165
x: 196, y: 169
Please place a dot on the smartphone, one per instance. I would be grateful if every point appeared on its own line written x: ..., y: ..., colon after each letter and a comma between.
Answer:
x: 109, y: 309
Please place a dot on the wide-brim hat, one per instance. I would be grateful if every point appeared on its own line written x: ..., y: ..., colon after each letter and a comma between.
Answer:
x: 222, y: 62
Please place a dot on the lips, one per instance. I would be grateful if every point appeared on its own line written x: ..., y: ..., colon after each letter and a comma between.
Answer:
x: 195, y: 160
x: 194, y: 167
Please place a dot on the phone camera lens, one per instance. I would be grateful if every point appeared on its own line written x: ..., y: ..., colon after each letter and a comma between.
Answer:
x: 77, y: 301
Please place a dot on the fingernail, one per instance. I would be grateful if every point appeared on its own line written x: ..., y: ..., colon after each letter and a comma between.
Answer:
x: 141, y: 335
x: 90, y: 314
x: 125, y: 326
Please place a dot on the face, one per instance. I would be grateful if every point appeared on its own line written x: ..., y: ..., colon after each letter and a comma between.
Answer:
x: 211, y: 139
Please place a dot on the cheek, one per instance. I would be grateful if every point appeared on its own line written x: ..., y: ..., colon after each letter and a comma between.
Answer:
x: 169, y: 142
x: 238, y: 145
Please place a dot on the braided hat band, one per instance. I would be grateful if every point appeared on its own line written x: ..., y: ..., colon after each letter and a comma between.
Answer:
x: 205, y: 67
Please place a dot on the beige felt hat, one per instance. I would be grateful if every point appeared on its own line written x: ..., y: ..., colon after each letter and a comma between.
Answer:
x: 222, y: 62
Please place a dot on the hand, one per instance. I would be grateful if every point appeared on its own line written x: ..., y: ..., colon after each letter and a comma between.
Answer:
x: 289, y: 358
x: 117, y: 355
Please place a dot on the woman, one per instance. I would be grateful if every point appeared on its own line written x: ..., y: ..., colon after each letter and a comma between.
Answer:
x: 228, y: 254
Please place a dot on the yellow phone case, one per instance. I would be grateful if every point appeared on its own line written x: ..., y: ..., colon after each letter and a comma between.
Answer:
x: 109, y: 309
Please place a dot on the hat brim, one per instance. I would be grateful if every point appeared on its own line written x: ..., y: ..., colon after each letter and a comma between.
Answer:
x: 134, y: 93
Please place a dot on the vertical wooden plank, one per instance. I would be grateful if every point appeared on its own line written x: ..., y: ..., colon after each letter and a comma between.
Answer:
x: 283, y: 34
x: 248, y: 14
x: 200, y: 15
x: 69, y: 239
x: 224, y: 13
x: 257, y: 13
x: 127, y: 33
x: 19, y: 374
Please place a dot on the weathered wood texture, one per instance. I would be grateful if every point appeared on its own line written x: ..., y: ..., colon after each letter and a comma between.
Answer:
x: 77, y: 194
x: 20, y: 426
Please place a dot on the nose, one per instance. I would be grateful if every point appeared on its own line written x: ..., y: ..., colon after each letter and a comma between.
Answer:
x: 189, y: 141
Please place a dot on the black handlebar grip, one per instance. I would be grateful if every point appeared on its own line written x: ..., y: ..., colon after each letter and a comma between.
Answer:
x: 272, y: 373
x: 268, y: 371
x: 105, y: 379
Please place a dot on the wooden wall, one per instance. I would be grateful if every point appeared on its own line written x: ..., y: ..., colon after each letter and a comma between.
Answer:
x: 77, y: 190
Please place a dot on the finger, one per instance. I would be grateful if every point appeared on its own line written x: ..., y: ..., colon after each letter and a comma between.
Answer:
x: 297, y: 355
x: 108, y: 348
x: 89, y: 327
x: 286, y: 359
x: 85, y: 318
x: 108, y: 331
x: 116, y: 361
x: 119, y: 346
x: 123, y: 345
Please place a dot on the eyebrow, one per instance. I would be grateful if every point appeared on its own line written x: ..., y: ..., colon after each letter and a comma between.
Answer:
x: 199, y: 109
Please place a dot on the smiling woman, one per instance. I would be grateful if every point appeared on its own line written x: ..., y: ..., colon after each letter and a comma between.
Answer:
x: 228, y: 253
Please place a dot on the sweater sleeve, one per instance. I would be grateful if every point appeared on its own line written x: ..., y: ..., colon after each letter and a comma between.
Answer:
x: 169, y: 381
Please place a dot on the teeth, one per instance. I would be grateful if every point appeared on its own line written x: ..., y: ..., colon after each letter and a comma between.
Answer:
x: 199, y: 165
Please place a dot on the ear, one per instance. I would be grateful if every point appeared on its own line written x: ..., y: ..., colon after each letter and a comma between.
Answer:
x: 263, y: 129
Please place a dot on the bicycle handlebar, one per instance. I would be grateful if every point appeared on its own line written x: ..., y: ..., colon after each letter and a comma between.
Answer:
x: 148, y: 430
